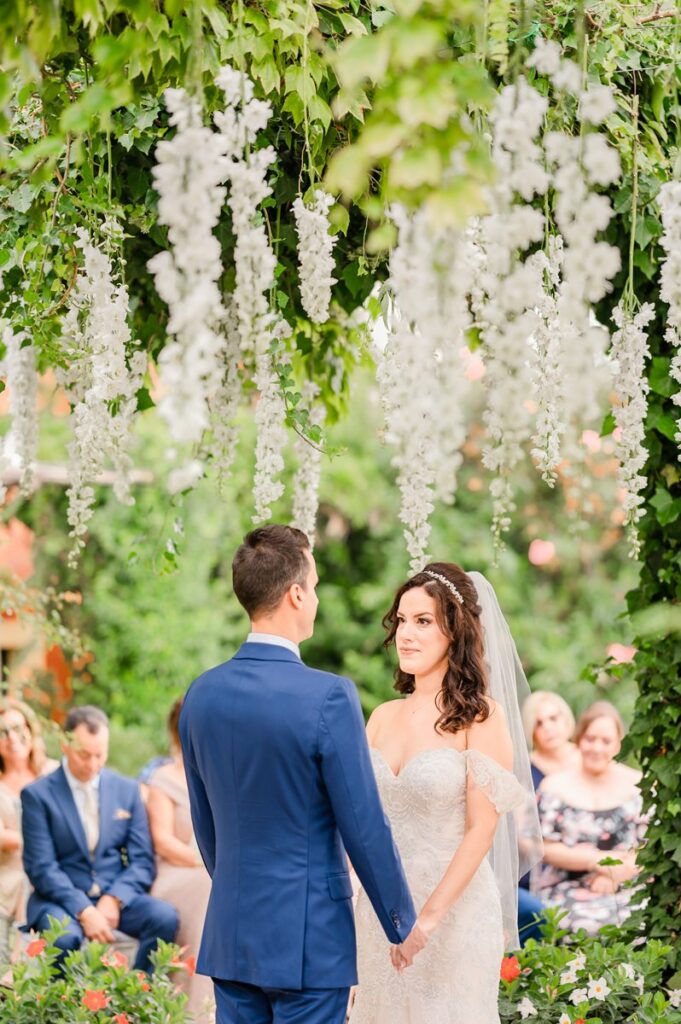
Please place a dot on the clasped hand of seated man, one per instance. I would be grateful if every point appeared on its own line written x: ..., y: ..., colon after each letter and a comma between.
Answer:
x: 99, y: 920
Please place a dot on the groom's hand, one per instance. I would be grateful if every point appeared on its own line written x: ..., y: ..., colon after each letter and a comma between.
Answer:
x: 411, y: 947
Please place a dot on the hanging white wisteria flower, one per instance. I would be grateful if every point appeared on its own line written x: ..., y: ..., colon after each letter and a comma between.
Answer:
x: 507, y: 291
x: 630, y: 351
x: 101, y: 381
x: 579, y: 165
x: 242, y: 120
x: 270, y: 422
x: 19, y: 447
x: 408, y: 429
x: 308, y: 474
x: 548, y: 345
x: 315, y: 254
x: 188, y: 175
x: 224, y: 403
x: 669, y: 199
x: 420, y: 372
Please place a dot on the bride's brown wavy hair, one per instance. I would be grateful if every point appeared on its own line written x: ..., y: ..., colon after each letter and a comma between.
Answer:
x: 461, y: 701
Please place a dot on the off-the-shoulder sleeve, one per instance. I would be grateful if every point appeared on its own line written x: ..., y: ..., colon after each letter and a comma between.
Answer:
x: 500, y: 786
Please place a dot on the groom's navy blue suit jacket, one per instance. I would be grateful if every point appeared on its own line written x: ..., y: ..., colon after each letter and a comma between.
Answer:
x: 280, y: 781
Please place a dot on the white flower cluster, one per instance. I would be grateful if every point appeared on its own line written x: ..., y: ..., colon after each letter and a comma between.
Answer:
x: 507, y: 290
x: 630, y: 350
x: 596, y: 101
x: 188, y: 175
x: 243, y: 118
x: 315, y: 254
x: 272, y: 436
x: 101, y: 381
x: 308, y: 474
x: 670, y: 278
x: 420, y: 372
x: 20, y: 444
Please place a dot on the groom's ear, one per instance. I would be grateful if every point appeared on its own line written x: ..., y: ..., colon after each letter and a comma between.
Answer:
x: 295, y: 595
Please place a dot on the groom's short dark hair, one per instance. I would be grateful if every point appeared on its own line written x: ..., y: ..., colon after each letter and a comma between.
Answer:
x: 269, y: 561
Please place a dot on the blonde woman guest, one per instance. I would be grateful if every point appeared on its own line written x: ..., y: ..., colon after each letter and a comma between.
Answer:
x: 22, y: 761
x: 588, y: 813
x: 549, y: 727
x: 181, y: 877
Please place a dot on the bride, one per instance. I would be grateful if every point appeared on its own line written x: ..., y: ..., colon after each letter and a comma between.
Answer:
x: 451, y: 765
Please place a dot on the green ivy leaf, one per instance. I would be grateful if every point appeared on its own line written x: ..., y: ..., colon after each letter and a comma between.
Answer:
x: 659, y: 377
x: 668, y: 509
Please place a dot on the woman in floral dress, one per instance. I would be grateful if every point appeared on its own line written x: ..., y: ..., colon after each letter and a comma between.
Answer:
x: 590, y: 813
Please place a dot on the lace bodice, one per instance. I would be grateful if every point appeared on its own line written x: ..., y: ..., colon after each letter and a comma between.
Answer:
x: 455, y: 980
x: 426, y: 802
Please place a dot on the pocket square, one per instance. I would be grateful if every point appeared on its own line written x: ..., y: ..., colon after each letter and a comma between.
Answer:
x: 122, y: 815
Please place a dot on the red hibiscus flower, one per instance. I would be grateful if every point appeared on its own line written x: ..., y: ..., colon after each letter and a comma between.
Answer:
x: 188, y: 965
x: 95, y: 999
x: 36, y: 947
x: 510, y: 968
x: 121, y: 1018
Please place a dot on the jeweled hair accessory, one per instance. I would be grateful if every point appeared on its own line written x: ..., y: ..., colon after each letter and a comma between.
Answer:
x: 448, y: 583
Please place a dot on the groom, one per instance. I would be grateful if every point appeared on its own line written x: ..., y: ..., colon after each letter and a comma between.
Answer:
x: 281, y: 784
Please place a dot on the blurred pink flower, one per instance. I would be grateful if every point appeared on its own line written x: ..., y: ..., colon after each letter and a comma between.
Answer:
x: 591, y: 440
x: 621, y: 653
x: 541, y: 552
x: 474, y: 368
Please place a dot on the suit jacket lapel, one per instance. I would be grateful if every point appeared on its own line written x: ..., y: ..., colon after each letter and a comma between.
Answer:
x: 66, y: 801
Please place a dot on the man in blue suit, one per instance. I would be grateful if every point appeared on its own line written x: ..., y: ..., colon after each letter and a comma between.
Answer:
x: 87, y: 849
x: 281, y: 786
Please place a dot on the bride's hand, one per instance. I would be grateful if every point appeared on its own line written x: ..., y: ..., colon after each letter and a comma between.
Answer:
x: 413, y: 944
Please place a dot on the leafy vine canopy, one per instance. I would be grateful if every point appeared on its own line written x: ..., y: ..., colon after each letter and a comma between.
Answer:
x: 367, y: 114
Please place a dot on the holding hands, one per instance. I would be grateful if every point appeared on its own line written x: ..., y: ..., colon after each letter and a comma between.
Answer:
x: 403, y: 956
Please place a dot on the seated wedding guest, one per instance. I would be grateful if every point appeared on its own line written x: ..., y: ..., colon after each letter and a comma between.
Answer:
x: 181, y: 876
x: 87, y: 848
x: 549, y: 726
x: 588, y: 813
x: 22, y: 761
x: 147, y: 770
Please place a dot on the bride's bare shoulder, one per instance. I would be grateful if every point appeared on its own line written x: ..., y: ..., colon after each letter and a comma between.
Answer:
x: 382, y: 715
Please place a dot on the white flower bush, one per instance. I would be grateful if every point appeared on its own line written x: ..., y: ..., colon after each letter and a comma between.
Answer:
x: 606, y: 980
x: 20, y: 445
x: 315, y: 254
x: 101, y: 381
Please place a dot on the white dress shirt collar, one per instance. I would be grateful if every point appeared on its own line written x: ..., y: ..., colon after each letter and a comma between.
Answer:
x: 276, y: 641
x: 74, y: 783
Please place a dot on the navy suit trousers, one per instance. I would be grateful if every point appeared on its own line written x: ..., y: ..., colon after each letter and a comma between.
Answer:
x: 247, y: 1004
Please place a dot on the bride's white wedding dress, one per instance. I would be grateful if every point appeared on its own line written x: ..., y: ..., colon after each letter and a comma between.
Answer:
x: 455, y: 979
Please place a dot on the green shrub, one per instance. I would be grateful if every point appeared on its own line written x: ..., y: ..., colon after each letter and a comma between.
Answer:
x: 96, y: 985
x: 598, y: 980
